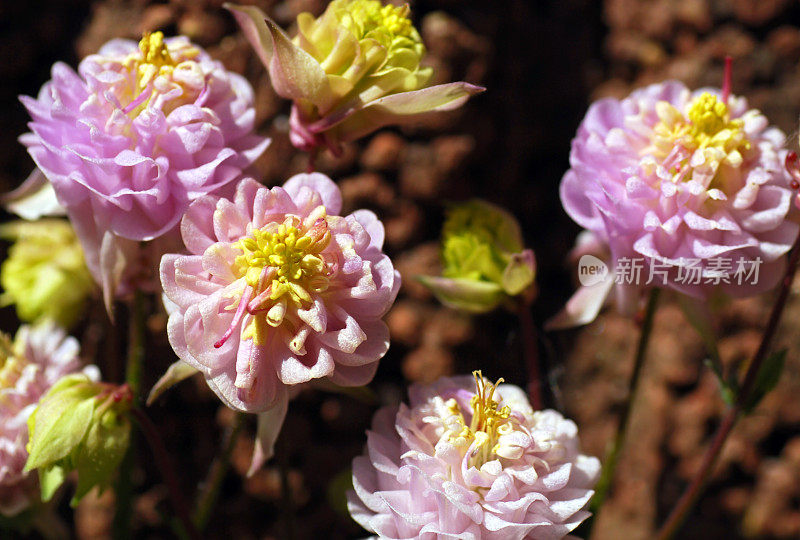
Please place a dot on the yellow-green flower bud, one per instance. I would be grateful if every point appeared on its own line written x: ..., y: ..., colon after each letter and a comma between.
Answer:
x: 45, y: 274
x: 484, y: 260
x: 350, y: 71
x: 366, y: 49
x: 82, y: 425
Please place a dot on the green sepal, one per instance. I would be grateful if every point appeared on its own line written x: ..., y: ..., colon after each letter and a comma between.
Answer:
x: 520, y: 273
x: 60, y: 421
x: 101, y: 453
x: 466, y: 294
x: 50, y: 479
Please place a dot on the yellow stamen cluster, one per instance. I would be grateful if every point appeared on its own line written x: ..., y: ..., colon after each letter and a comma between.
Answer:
x: 154, y: 50
x: 295, y: 266
x: 368, y: 15
x: 155, y: 63
x: 488, y: 423
x: 706, y: 124
x: 155, y: 59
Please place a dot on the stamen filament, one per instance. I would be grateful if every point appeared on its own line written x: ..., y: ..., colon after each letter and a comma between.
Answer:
x: 237, y: 317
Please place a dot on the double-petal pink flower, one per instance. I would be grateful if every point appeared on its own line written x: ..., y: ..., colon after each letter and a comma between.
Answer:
x: 279, y: 290
x: 136, y: 135
x: 692, y: 185
x: 468, y: 459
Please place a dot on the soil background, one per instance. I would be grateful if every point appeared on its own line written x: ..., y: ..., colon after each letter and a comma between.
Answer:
x: 543, y: 62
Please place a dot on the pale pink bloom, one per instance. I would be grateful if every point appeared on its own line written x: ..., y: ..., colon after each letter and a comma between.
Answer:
x: 693, y: 184
x: 279, y: 290
x: 38, y: 357
x: 136, y: 135
x: 469, y: 460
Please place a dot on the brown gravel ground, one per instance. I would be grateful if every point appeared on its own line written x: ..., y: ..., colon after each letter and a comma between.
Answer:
x: 543, y: 62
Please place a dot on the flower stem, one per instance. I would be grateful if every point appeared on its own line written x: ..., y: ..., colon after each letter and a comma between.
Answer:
x: 612, y: 455
x: 167, y: 470
x: 531, y: 352
x: 693, y: 491
x: 133, y: 377
x: 216, y: 474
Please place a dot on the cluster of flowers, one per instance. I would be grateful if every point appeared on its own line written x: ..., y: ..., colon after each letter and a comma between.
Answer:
x: 148, y: 150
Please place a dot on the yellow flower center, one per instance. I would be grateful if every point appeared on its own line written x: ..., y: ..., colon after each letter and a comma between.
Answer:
x: 283, y: 265
x: 369, y: 15
x: 155, y: 64
x: 706, y: 126
x: 154, y: 60
x: 488, y: 423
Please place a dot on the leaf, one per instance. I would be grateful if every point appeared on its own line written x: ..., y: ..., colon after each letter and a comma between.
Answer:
x: 699, y: 316
x: 101, y: 453
x: 50, y: 479
x: 769, y: 373
x: 58, y: 424
x: 175, y: 373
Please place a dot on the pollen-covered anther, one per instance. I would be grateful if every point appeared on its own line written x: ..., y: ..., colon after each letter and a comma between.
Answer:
x: 489, y: 423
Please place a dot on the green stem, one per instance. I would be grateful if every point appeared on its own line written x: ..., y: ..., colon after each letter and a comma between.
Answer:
x: 695, y: 489
x: 612, y: 455
x: 216, y: 474
x: 133, y: 376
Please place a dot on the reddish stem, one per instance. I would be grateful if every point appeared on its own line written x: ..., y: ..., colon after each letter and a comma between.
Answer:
x: 695, y: 488
x: 167, y: 470
x: 531, y: 352
x: 726, y: 81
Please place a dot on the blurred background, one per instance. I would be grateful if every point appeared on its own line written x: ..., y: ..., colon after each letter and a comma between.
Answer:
x: 543, y: 62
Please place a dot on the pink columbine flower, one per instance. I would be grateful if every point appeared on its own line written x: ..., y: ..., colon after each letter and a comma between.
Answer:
x: 692, y: 184
x: 136, y: 135
x: 38, y: 357
x: 469, y: 459
x: 279, y: 290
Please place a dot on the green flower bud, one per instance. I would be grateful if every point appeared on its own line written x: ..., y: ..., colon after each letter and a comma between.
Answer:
x: 81, y: 425
x: 483, y: 258
x: 45, y: 274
